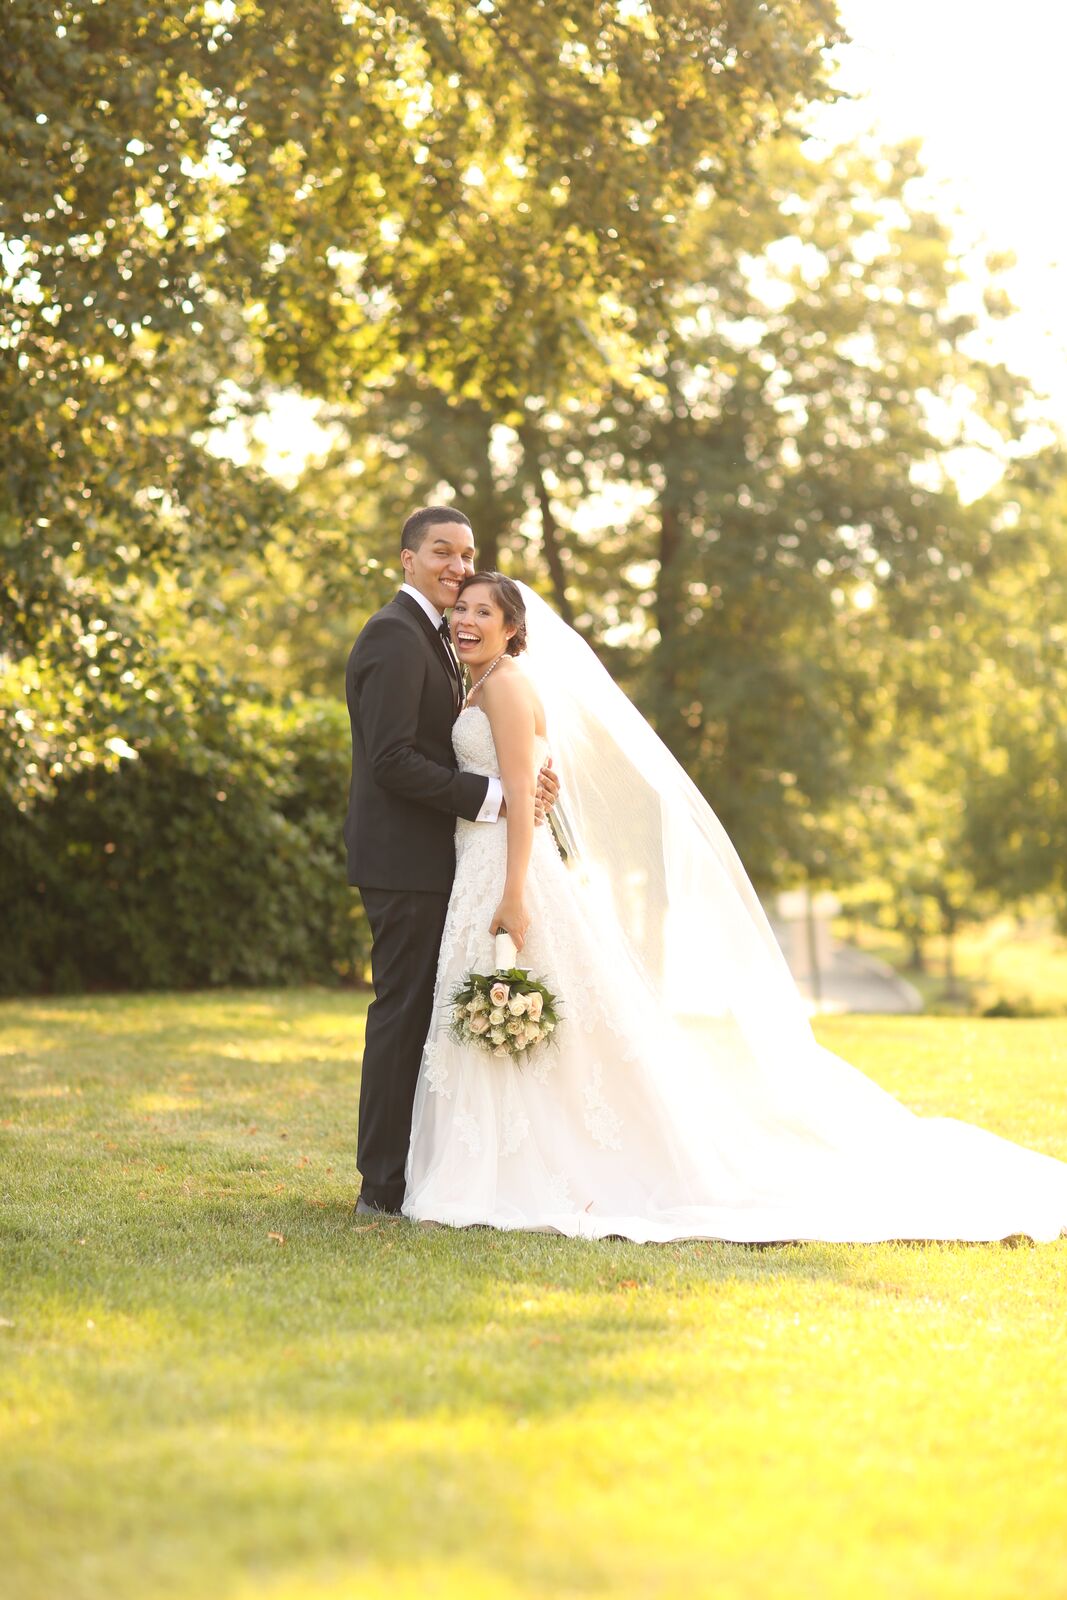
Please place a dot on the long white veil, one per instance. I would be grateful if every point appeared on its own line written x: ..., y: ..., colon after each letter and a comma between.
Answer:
x: 680, y: 916
x: 657, y: 864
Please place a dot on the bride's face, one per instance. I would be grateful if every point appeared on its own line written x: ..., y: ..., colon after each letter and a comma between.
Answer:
x: 479, y: 631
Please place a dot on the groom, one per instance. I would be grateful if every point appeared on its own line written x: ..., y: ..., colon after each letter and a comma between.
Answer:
x: 405, y: 689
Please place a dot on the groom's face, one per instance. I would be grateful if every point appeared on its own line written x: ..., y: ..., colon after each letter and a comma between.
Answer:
x: 444, y: 558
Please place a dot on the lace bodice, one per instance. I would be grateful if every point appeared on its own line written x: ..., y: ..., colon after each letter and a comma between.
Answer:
x: 472, y: 740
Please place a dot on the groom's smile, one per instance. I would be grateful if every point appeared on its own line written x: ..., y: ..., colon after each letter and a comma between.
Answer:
x: 443, y: 559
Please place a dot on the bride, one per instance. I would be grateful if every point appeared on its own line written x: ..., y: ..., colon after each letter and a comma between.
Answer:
x: 683, y: 1094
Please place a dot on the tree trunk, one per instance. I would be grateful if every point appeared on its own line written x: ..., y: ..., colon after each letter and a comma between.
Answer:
x: 550, y: 534
x: 670, y: 542
x: 948, y: 932
x: 669, y: 605
x: 485, y: 510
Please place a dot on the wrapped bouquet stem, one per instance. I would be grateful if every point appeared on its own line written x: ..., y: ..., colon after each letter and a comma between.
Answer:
x: 505, y: 1012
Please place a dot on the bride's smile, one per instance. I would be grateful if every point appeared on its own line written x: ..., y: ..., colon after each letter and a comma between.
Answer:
x: 480, y: 631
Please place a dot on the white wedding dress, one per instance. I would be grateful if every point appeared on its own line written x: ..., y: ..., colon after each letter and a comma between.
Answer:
x: 714, y: 1116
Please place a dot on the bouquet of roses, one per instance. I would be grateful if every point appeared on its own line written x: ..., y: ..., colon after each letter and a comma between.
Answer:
x: 505, y: 1012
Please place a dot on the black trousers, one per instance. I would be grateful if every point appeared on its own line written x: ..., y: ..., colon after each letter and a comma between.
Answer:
x: 406, y: 926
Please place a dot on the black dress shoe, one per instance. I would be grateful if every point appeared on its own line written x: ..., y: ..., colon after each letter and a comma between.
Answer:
x: 367, y: 1208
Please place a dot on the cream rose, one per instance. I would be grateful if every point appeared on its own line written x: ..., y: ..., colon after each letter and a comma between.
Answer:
x: 534, y: 1003
x: 517, y: 1005
x: 497, y: 1035
x: 479, y: 1024
x: 501, y: 1050
x: 499, y: 993
x: 497, y: 1016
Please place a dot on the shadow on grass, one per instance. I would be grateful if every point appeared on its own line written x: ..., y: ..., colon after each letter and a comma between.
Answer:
x: 218, y: 1407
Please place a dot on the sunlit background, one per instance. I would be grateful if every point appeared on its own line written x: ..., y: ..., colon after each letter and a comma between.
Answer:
x: 984, y: 93
x: 982, y: 87
x: 754, y: 411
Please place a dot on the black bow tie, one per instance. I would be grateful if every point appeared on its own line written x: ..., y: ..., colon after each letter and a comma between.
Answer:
x: 446, y: 639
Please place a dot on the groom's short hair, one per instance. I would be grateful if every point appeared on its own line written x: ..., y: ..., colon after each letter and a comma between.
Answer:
x: 419, y: 523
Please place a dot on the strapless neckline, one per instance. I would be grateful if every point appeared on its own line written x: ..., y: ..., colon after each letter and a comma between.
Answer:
x: 541, y: 736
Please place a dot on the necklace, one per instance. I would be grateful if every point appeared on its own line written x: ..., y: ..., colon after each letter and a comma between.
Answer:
x: 486, y: 673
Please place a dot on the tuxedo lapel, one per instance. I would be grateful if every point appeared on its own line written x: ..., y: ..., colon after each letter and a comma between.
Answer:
x: 444, y: 656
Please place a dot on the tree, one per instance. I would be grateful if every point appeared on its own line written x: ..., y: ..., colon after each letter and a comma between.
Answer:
x: 1016, y: 768
x: 792, y: 522
x: 316, y: 194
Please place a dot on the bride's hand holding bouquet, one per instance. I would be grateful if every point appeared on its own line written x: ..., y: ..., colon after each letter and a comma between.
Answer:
x: 511, y: 917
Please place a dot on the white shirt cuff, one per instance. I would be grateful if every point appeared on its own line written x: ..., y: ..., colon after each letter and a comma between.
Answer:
x: 494, y: 799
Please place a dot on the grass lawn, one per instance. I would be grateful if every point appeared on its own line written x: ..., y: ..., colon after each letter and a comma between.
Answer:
x: 215, y: 1385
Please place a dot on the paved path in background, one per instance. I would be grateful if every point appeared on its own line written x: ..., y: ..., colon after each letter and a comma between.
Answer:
x: 854, y: 981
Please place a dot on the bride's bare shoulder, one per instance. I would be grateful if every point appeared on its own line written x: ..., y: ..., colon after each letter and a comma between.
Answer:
x: 510, y: 690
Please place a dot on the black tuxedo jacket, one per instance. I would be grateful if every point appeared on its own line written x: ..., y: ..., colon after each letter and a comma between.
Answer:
x: 406, y: 791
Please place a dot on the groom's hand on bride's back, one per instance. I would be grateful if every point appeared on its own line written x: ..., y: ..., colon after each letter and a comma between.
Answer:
x: 547, y: 791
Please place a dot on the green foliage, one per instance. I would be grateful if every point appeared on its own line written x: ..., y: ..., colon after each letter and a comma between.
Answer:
x: 962, y: 811
x: 1016, y: 770
x: 216, y: 860
x: 571, y: 267
x: 119, y: 317
x: 804, y: 528
x: 198, y: 202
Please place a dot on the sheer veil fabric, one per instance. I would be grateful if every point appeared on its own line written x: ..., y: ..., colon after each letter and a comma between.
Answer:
x: 769, y: 1136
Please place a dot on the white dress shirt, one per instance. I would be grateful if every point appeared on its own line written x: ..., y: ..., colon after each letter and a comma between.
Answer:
x: 494, y: 795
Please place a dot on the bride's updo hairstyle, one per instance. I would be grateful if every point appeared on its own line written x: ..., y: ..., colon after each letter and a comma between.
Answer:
x: 509, y: 599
